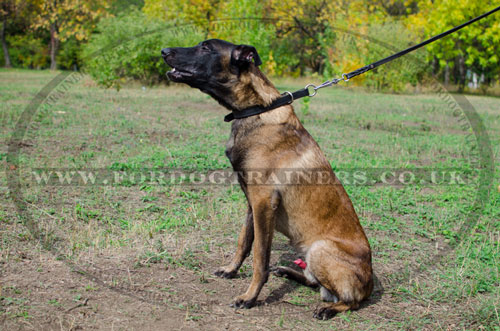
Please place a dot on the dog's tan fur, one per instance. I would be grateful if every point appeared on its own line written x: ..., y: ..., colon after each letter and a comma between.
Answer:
x: 319, y: 220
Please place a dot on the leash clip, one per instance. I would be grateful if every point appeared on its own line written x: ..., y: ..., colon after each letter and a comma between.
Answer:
x: 334, y: 81
x: 315, y: 88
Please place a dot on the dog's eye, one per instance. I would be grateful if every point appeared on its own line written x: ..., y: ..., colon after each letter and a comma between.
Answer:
x: 205, y: 48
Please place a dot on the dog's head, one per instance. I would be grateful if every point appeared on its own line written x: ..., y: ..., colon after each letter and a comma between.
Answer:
x: 216, y: 67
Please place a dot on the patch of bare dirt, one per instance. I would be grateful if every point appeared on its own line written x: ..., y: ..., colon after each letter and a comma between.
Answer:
x: 111, y: 290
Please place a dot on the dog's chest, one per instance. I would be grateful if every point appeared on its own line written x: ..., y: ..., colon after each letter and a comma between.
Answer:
x: 232, y: 153
x: 234, y: 150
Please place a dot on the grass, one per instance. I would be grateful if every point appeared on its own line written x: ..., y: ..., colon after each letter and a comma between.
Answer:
x: 420, y: 256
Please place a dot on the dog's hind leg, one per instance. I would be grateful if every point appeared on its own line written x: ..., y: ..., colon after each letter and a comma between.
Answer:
x: 245, y: 241
x: 345, y: 280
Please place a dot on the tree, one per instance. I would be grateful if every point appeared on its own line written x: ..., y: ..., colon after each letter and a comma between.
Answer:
x: 5, y: 12
x: 240, y: 23
x: 67, y: 18
x: 473, y: 50
x: 197, y: 12
x: 127, y: 46
x: 309, y: 27
x: 12, y: 13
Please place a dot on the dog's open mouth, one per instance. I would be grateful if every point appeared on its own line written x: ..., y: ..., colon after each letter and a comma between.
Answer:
x: 176, y: 74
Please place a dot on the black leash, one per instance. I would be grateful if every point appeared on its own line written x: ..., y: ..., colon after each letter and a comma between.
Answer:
x: 289, y: 97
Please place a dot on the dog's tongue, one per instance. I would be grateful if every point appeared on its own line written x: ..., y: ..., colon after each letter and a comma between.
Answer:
x: 300, y: 263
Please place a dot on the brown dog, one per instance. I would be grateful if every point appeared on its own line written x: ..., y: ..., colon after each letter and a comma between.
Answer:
x: 318, y: 218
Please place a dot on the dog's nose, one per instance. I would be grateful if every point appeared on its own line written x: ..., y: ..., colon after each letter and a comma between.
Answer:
x: 166, y: 52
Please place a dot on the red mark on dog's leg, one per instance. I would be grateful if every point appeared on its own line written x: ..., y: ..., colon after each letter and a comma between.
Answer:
x: 300, y: 263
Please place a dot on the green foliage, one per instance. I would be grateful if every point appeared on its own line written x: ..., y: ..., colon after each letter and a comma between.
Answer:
x: 68, y: 56
x: 128, y: 47
x: 304, y: 108
x: 119, y: 6
x: 474, y: 48
x: 27, y: 51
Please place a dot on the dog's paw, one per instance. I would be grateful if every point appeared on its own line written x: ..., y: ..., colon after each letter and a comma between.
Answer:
x: 225, y: 273
x: 279, y: 272
x: 242, y: 302
x: 324, y: 313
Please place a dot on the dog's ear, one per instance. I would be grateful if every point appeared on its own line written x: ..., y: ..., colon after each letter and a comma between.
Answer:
x: 244, y: 54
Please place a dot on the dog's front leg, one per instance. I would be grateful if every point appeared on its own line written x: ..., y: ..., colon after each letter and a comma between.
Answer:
x: 263, y: 221
x: 245, y: 241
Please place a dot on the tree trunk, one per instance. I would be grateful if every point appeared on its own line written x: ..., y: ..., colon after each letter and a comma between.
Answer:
x: 6, y: 55
x: 447, y: 75
x: 54, y: 46
x: 462, y: 71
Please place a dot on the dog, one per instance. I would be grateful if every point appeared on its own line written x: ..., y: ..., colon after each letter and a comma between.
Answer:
x: 319, y: 219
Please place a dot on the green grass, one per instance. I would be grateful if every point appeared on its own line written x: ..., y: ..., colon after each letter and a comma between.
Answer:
x: 185, y: 226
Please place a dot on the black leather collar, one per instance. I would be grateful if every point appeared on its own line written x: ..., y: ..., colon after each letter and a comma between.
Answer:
x: 287, y: 98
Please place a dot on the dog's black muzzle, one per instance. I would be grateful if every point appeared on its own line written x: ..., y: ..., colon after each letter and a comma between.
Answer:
x: 181, y: 71
x: 166, y: 52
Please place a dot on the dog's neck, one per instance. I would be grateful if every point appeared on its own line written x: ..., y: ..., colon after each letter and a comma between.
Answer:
x: 254, y: 89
